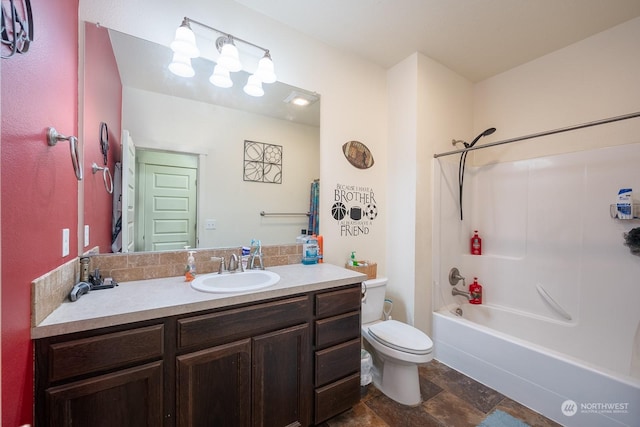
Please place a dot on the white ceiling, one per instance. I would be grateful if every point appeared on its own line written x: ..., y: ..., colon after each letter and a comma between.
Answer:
x: 475, y: 38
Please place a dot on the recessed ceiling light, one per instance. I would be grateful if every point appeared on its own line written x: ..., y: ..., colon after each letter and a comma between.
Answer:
x: 301, y: 99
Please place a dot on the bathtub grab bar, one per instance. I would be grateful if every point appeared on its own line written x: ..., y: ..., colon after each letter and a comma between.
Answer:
x: 557, y: 307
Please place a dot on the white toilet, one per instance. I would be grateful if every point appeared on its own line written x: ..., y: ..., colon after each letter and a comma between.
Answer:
x: 397, y: 348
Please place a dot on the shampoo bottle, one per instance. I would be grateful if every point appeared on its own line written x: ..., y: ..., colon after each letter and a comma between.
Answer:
x: 476, y: 244
x: 475, y: 292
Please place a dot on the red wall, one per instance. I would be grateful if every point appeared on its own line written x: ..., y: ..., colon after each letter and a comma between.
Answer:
x: 38, y: 186
x: 102, y: 103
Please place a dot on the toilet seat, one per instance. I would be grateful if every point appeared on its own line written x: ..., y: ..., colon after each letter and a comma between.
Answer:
x: 401, y: 337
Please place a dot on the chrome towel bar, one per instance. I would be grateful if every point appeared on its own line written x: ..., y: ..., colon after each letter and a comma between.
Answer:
x: 263, y: 213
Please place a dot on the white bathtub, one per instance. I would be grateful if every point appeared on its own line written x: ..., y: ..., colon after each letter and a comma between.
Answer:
x: 539, y: 378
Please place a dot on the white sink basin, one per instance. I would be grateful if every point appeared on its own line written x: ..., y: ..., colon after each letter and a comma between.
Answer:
x: 249, y: 280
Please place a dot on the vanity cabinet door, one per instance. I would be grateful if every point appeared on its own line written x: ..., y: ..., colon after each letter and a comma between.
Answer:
x: 214, y: 386
x: 282, y: 378
x: 127, y: 398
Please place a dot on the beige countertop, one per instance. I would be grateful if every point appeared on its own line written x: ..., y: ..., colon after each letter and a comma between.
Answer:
x: 156, y: 298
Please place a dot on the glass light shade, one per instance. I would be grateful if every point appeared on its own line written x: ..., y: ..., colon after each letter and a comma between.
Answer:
x: 254, y: 86
x: 229, y: 57
x: 181, y: 65
x: 185, y: 42
x: 220, y: 77
x: 265, y: 70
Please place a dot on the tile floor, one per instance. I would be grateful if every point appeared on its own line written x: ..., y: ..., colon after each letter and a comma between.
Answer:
x: 450, y: 399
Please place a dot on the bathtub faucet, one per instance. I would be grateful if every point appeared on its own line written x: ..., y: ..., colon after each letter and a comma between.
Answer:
x: 456, y: 291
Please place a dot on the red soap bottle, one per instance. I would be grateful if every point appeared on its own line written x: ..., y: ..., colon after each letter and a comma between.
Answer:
x: 475, y: 292
x: 476, y: 244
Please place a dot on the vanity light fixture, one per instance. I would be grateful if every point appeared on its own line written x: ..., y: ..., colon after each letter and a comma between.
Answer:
x: 300, y: 99
x: 185, y: 48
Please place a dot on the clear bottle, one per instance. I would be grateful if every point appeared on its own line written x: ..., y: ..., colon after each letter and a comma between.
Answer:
x: 190, y: 270
x: 302, y: 237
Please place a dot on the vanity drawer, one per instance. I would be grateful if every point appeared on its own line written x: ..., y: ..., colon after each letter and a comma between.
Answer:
x: 337, y: 397
x: 338, y: 302
x: 337, y: 329
x: 231, y: 325
x: 336, y: 362
x: 104, y: 352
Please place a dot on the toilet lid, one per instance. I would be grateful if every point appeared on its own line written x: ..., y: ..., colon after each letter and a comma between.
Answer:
x: 401, y: 336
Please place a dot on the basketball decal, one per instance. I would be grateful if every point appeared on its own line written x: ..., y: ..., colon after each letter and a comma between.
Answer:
x: 338, y: 211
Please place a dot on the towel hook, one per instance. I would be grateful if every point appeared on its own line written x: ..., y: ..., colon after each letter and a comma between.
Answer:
x: 53, y: 137
x: 105, y: 173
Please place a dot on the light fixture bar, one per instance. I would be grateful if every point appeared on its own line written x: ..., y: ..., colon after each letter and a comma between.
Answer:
x: 234, y: 38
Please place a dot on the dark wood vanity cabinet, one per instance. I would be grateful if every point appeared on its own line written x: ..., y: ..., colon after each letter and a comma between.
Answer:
x: 254, y: 369
x: 114, y: 378
x: 292, y: 361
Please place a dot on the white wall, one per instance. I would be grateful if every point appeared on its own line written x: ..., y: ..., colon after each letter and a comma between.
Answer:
x: 164, y: 122
x: 353, y: 96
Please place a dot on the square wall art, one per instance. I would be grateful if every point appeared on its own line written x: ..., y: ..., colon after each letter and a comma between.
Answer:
x: 262, y: 162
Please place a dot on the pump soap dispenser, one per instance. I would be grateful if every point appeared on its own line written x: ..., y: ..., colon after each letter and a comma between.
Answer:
x: 190, y: 269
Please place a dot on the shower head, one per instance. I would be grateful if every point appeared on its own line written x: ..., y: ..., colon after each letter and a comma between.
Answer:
x: 463, y: 160
x: 485, y: 133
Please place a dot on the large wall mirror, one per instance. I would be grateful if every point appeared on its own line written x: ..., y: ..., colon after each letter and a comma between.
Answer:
x: 182, y: 144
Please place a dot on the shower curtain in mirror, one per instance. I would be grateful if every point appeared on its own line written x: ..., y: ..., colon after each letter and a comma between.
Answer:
x: 314, y: 201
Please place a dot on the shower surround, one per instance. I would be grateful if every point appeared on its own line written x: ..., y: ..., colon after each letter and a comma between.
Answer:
x: 545, y: 224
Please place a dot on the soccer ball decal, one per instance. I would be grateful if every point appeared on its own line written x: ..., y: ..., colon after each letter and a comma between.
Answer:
x: 338, y: 211
x: 371, y: 212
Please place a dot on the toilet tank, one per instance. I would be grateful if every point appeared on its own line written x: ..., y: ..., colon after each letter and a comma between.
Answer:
x: 373, y: 304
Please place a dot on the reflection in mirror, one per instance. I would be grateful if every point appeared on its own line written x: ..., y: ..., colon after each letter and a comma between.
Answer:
x: 185, y: 155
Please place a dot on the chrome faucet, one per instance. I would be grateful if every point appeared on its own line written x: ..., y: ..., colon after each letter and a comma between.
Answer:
x: 234, y: 264
x: 456, y: 291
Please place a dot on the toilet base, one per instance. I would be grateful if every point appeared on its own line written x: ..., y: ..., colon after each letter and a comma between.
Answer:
x: 399, y: 382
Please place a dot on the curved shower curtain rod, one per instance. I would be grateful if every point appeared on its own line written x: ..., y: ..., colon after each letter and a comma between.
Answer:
x: 539, y: 134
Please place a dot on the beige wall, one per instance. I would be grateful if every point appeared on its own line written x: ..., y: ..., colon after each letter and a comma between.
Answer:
x: 354, y: 104
x: 428, y: 106
x: 593, y: 79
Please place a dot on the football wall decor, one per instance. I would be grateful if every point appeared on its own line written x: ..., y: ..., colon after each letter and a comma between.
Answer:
x: 358, y: 154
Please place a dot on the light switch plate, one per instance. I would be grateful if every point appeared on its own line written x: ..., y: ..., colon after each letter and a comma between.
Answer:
x: 210, y: 224
x: 65, y: 241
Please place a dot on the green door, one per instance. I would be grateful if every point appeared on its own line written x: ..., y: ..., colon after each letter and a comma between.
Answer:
x: 167, y: 195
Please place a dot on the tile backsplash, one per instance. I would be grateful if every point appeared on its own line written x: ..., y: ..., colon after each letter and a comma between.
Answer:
x: 52, y: 289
